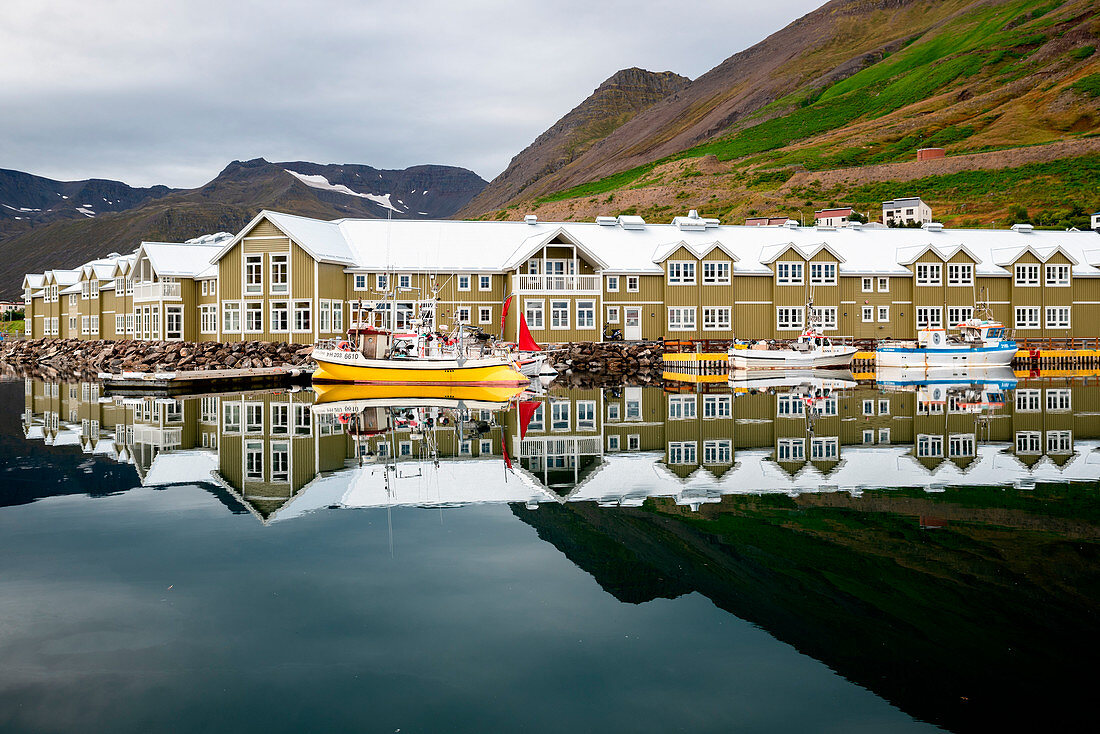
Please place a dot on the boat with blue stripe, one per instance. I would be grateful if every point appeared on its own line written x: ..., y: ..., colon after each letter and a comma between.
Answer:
x: 980, y: 343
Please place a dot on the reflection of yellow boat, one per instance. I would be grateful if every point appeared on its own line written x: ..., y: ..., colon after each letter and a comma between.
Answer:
x: 343, y: 398
x: 351, y: 366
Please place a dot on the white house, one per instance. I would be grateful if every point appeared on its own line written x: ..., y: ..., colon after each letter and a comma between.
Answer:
x: 1095, y: 226
x: 832, y: 217
x: 904, y: 210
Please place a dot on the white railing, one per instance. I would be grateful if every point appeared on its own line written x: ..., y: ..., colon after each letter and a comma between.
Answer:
x: 156, y: 291
x: 157, y: 436
x: 558, y: 446
x: 558, y: 283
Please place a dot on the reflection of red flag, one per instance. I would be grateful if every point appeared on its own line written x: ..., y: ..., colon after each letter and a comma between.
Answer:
x: 504, y: 313
x: 527, y: 409
x: 527, y: 343
x: 504, y: 450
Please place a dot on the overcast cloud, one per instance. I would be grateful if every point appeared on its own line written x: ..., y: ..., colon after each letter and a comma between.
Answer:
x: 169, y: 92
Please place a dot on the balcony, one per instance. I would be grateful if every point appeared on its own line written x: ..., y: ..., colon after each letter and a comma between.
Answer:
x: 558, y: 283
x: 533, y: 446
x: 144, y: 292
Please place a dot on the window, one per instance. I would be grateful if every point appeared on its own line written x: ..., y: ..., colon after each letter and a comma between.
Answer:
x: 868, y: 313
x: 129, y: 286
x: 94, y: 288
x: 790, y: 449
x: 231, y: 317
x: 1057, y: 317
x: 1057, y: 276
x: 381, y: 281
x: 929, y: 447
x: 303, y: 316
x: 868, y: 436
x: 1027, y: 317
x: 533, y: 312
x: 681, y: 319
x: 485, y: 314
x: 280, y: 419
x: 884, y: 407
x: 824, y: 449
x: 280, y: 316
x: 404, y: 280
x: 586, y: 314
x: 462, y: 314
x: 930, y: 317
x: 717, y: 406
x: 718, y: 452
x: 532, y: 267
x: 717, y: 318
x: 1027, y: 401
x: 883, y: 285
x: 612, y: 314
x: 73, y: 300
x: 788, y: 273
x: 884, y: 435
x: 682, y: 452
x: 825, y: 317
x: 559, y: 314
x: 303, y: 420
x: 868, y: 285
x: 535, y: 424
x: 485, y: 282
x: 868, y: 407
x: 823, y: 273
x: 559, y: 415
x: 959, y: 274
x: 120, y: 324
x: 1028, y: 442
x: 74, y: 324
x: 338, y: 316
x: 204, y: 288
x: 681, y: 407
x: 208, y: 319
x: 324, y: 316
x: 788, y: 319
x: 1059, y: 442
x: 253, y: 273
x: 359, y: 281
x: 586, y: 415
x: 929, y: 273
x: 464, y: 282
x: 958, y: 314
x: 613, y: 411
x: 789, y: 406
x: 485, y: 447
x: 960, y: 445
x: 883, y: 314
x: 129, y: 323
x: 633, y: 442
x: 85, y: 324
x: 1027, y: 275
x: 681, y: 273
x: 612, y: 443
x: 717, y: 273
x: 254, y: 460
x: 254, y: 417
x: 632, y: 283
x: 612, y: 283
x: 1058, y: 400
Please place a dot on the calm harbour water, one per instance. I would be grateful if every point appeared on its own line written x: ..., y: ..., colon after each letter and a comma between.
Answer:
x: 700, y: 561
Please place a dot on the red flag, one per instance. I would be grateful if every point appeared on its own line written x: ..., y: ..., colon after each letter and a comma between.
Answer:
x: 527, y: 343
x: 504, y: 450
x: 527, y: 410
x: 504, y: 313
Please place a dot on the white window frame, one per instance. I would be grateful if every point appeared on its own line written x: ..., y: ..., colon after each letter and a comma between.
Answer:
x: 560, y: 415
x: 559, y: 315
x: 1027, y: 275
x: 1059, y: 442
x: 1029, y: 443
x: 337, y: 317
x: 716, y: 407
x: 463, y: 282
x: 303, y: 325
x: 719, y: 272
x: 633, y: 283
x: 867, y: 314
x: 279, y: 317
x: 1054, y: 317
x: 718, y: 452
x: 533, y: 312
x: 827, y: 317
x: 324, y: 316
x: 404, y: 281
x: 680, y: 272
x: 826, y: 273
x: 359, y: 281
x: 883, y: 314
x: 612, y: 314
x: 924, y: 318
x: 462, y: 314
x: 612, y: 284
x: 1028, y: 400
x: 868, y: 285
x: 280, y: 419
x: 681, y: 318
x: 785, y: 321
x: 1058, y: 275
x: 683, y: 452
x: 960, y: 274
x: 789, y: 273
x: 485, y: 314
x: 682, y: 407
x: 1031, y: 317
x: 717, y: 318
x: 929, y: 446
x: 955, y: 314
x: 586, y: 314
x: 790, y: 449
x: 485, y: 282
x: 929, y: 274
x: 1059, y: 400
x: 612, y: 443
x: 883, y: 285
x: 586, y: 415
x: 381, y: 282
x: 235, y: 324
x: 208, y: 319
x: 253, y: 267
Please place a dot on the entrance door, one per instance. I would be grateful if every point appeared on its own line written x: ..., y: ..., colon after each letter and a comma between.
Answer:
x: 173, y: 322
x: 632, y: 323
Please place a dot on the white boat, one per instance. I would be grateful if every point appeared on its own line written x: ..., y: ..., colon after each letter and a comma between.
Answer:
x: 827, y: 380
x: 981, y: 343
x: 968, y: 390
x: 813, y: 350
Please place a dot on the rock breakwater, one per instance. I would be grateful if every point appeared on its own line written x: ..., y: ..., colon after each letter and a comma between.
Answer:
x: 607, y: 363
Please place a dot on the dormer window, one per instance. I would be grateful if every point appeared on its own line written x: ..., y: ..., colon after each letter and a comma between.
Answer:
x: 823, y: 273
x: 960, y: 274
x: 716, y: 273
x: 1057, y: 276
x: 681, y: 273
x: 1027, y: 275
x: 929, y: 274
x: 788, y: 273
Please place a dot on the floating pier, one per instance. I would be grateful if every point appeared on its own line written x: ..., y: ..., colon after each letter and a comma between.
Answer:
x: 186, y: 381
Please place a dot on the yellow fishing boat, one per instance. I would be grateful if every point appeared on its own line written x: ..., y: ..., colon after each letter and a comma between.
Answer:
x: 345, y: 398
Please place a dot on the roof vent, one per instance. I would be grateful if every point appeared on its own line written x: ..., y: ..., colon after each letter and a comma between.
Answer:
x: 631, y: 221
x: 1025, y: 228
x: 932, y: 226
x: 855, y: 225
x: 606, y: 221
x: 691, y: 221
x: 791, y: 224
x: 693, y: 214
x: 531, y: 219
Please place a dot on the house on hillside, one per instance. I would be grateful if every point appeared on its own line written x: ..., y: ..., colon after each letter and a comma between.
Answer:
x: 1094, y: 224
x: 899, y: 212
x: 832, y: 217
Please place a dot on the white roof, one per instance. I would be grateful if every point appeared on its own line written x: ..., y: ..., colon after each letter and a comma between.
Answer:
x: 446, y: 245
x: 193, y: 466
x: 180, y: 260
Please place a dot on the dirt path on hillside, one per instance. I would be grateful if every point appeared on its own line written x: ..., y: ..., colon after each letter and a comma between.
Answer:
x: 940, y: 166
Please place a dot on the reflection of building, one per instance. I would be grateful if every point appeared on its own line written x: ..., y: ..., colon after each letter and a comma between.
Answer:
x: 612, y: 446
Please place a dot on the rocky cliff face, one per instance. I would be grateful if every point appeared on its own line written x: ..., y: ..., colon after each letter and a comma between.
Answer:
x: 616, y: 101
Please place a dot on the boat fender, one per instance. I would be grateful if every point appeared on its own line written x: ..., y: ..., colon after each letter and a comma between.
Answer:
x: 344, y: 346
x: 937, y: 337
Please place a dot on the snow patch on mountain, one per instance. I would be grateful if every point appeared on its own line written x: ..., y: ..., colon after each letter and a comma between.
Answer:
x: 209, y: 239
x: 320, y: 182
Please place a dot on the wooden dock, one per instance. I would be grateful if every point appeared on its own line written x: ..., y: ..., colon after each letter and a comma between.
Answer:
x: 188, y: 381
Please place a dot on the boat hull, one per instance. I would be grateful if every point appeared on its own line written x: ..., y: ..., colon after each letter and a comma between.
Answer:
x: 352, y: 367
x: 338, y: 398
x: 789, y: 359
x: 964, y: 357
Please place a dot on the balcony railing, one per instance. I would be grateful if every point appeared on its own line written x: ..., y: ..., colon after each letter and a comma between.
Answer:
x: 156, y: 292
x: 558, y: 283
x: 556, y: 446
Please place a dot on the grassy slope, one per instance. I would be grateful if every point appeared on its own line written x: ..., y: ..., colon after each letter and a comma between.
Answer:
x: 996, y: 77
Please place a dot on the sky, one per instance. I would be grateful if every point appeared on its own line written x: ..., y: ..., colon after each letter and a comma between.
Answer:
x: 159, y: 92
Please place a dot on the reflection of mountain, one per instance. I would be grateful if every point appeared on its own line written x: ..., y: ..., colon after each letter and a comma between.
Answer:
x: 966, y: 625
